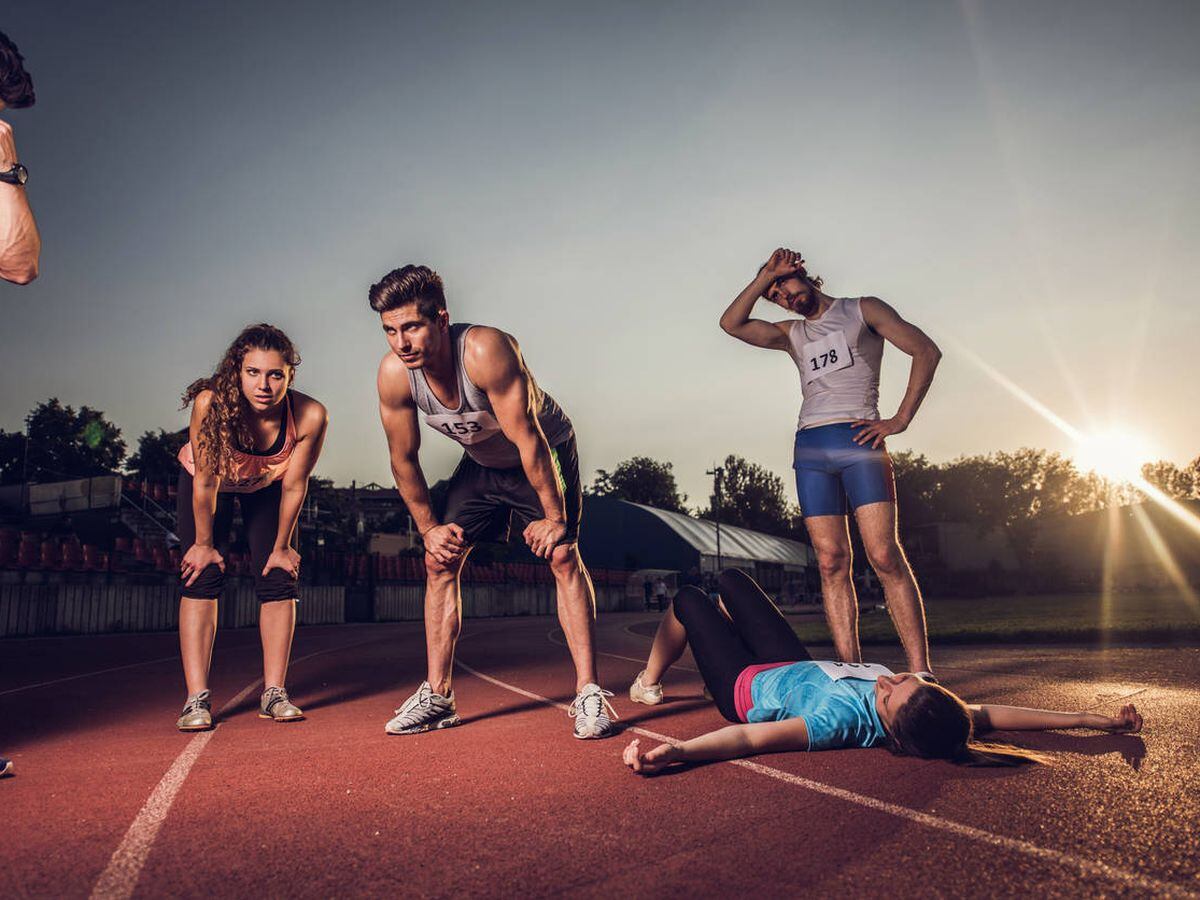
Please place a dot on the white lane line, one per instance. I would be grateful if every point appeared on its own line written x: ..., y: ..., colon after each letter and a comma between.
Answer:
x: 120, y: 876
x: 42, y: 684
x: 552, y: 636
x: 1079, y: 864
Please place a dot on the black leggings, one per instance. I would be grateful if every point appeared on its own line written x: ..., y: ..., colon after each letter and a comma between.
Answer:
x: 260, y: 517
x: 758, y: 633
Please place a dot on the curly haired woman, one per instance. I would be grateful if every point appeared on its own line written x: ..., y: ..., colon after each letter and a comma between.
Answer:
x: 254, y: 439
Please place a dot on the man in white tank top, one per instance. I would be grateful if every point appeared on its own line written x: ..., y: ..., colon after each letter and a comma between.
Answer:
x: 520, y: 465
x: 841, y: 461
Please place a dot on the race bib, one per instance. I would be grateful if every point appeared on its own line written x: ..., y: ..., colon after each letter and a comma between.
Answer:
x: 819, y: 358
x: 466, y: 428
x: 865, y: 671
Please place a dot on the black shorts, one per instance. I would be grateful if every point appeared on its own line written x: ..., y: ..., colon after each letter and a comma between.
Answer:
x: 486, y: 501
x: 260, y: 518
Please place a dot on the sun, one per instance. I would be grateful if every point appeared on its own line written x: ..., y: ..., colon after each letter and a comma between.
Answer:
x: 1113, y: 453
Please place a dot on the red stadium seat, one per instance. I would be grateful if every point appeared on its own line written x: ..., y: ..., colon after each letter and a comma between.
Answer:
x: 72, y: 555
x: 51, y: 554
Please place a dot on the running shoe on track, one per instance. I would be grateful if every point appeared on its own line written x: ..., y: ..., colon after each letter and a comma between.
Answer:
x: 650, y: 694
x: 591, y: 710
x: 276, y: 705
x: 197, y: 713
x: 6, y: 767
x: 424, y: 711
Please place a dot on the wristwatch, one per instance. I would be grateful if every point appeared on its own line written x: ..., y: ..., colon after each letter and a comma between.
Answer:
x: 18, y: 174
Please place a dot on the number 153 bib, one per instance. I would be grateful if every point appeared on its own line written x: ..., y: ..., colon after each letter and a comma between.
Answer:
x: 467, y: 427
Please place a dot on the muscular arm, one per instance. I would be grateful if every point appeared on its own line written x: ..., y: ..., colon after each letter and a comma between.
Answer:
x: 311, y: 425
x: 730, y: 742
x: 925, y: 354
x: 20, y: 243
x: 494, y: 363
x: 399, y: 415
x: 736, y: 319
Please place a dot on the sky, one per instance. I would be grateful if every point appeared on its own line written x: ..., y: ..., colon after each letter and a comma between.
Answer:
x: 1019, y: 179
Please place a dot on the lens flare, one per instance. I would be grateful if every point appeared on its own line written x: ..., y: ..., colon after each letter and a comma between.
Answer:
x: 1113, y: 453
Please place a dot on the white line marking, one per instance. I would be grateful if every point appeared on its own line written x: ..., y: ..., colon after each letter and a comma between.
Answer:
x: 551, y: 636
x: 1083, y: 866
x: 120, y: 876
x: 41, y: 684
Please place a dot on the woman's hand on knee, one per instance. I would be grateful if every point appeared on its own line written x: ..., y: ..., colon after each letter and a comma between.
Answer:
x: 196, y: 560
x: 283, y: 558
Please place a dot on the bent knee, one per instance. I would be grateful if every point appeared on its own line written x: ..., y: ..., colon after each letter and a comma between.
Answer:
x: 434, y: 569
x: 688, y: 599
x: 565, y: 561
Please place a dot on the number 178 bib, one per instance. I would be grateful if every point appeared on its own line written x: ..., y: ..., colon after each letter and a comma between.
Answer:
x: 829, y: 354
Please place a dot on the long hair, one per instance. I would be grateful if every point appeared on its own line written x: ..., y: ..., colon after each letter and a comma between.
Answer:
x: 935, y: 724
x: 224, y: 426
x: 16, y: 87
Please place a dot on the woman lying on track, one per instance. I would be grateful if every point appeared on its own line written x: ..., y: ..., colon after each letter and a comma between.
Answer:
x: 255, y: 439
x: 761, y: 677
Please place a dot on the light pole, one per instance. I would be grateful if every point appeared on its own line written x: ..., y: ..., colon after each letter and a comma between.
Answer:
x: 716, y: 472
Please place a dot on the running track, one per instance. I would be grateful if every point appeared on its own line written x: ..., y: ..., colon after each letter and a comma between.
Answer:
x: 110, y: 801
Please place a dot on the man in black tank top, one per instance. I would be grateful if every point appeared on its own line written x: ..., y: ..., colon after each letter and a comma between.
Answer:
x: 520, y: 462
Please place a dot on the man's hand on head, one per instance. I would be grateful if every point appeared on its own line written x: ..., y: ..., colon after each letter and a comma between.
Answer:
x: 783, y: 262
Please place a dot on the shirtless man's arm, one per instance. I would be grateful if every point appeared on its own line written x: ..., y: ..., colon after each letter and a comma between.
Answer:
x: 493, y: 362
x: 398, y: 412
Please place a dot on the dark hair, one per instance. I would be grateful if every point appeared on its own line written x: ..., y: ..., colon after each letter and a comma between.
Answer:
x: 224, y: 427
x: 16, y: 87
x: 935, y: 724
x: 411, y: 284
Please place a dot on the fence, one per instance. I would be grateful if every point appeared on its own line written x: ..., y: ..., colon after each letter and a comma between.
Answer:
x: 94, y: 606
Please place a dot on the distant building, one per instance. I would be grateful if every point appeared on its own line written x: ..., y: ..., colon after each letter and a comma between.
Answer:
x: 621, y: 535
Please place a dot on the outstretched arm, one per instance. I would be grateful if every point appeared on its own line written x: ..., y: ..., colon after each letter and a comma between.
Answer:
x: 925, y: 354
x: 20, y: 243
x: 736, y: 319
x: 990, y: 717
x: 494, y: 362
x: 730, y: 742
x: 205, y: 485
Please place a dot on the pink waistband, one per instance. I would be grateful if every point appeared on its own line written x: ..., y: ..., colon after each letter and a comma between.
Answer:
x: 742, y: 700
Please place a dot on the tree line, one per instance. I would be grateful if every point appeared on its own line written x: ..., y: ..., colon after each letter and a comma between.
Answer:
x: 1004, y: 489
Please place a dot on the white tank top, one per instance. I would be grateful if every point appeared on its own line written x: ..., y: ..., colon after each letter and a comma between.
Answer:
x: 474, y: 423
x: 838, y: 356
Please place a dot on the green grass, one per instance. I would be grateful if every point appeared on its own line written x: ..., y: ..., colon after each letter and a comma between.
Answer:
x: 1165, y: 617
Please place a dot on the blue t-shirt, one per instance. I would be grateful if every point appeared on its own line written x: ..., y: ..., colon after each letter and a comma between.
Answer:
x: 836, y: 701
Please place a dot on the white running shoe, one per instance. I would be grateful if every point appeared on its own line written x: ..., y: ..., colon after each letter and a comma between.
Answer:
x: 650, y: 694
x: 591, y: 710
x: 424, y: 711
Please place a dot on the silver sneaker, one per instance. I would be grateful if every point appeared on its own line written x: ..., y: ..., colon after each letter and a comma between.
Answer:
x: 650, y: 694
x: 197, y: 713
x: 424, y: 711
x: 592, y: 710
x: 276, y: 705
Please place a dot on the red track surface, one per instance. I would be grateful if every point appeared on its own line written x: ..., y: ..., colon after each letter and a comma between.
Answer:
x: 511, y: 804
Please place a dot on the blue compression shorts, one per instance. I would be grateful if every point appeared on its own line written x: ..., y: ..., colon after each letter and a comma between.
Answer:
x: 832, y: 470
